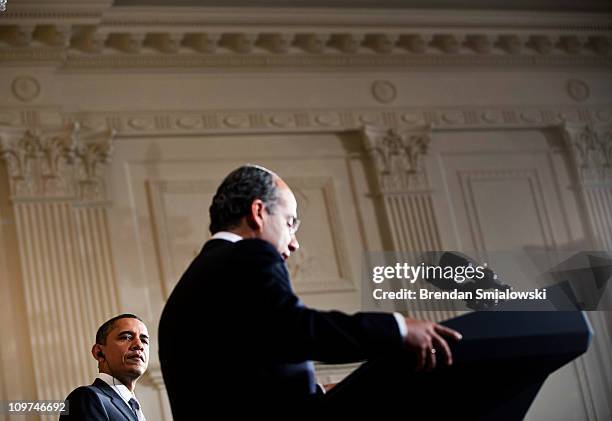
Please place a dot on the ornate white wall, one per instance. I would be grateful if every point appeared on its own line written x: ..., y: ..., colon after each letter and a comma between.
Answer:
x: 397, y: 130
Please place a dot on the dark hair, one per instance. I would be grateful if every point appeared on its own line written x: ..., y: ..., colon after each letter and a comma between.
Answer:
x: 108, y: 325
x: 236, y: 194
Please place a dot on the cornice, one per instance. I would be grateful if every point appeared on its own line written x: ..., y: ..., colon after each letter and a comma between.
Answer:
x: 90, y: 36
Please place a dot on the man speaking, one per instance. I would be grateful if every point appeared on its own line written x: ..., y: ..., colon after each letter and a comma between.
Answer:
x: 233, y: 336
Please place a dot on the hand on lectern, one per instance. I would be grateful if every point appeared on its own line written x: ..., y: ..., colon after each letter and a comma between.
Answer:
x: 427, y: 341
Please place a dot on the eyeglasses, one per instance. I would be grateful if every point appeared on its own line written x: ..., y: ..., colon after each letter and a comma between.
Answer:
x: 294, y: 224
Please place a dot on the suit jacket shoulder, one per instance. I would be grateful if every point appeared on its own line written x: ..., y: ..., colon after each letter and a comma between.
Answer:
x: 97, y: 402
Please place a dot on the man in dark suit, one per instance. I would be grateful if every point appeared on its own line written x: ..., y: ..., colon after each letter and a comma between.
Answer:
x: 122, y: 353
x: 233, y: 336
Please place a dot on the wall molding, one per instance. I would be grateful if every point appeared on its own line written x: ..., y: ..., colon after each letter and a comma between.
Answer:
x: 204, y: 122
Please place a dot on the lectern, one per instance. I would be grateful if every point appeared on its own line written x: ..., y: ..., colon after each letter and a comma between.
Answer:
x: 499, y: 366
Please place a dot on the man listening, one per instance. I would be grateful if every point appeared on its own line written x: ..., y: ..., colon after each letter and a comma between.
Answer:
x: 122, y: 353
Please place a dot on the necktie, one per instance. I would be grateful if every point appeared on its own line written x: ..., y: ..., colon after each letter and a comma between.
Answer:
x: 134, y: 405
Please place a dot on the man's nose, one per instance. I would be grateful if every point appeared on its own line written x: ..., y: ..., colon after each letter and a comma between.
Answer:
x: 293, y: 244
x: 137, y: 344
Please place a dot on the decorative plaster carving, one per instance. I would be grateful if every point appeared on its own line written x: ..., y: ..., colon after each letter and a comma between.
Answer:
x: 61, y: 163
x: 203, y: 43
x: 591, y: 148
x: 570, y: 43
x: 137, y: 123
x: 53, y: 35
x: 511, y: 44
x: 492, y: 116
x: 237, y: 120
x: 599, y: 44
x: 531, y: 116
x: 283, y: 120
x: 278, y: 43
x: 346, y: 42
x: 164, y: 42
x: 141, y: 123
x: 578, y: 90
x: 446, y: 43
x: 453, y: 117
x: 381, y: 43
x: 37, y: 162
x: 87, y: 39
x: 126, y: 42
x: 241, y: 43
x: 397, y: 156
x: 17, y: 35
x: 384, y: 91
x: 93, y: 152
x: 312, y: 43
x: 189, y: 122
x: 479, y: 43
x: 414, y: 43
x: 540, y: 44
x: 25, y: 88
x: 327, y: 119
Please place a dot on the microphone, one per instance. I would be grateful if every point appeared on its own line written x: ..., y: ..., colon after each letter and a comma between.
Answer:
x: 489, y: 281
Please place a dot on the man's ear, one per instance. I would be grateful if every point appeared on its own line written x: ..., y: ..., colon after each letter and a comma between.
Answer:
x: 256, y: 217
x: 97, y: 352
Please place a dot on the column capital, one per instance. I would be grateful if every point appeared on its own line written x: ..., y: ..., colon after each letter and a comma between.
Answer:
x: 591, y: 149
x: 397, y: 154
x: 51, y: 163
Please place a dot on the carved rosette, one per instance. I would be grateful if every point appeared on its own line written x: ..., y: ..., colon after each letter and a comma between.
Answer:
x: 61, y: 163
x: 397, y: 155
x: 591, y: 148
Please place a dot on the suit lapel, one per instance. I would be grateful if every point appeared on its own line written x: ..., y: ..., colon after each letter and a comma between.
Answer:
x: 116, y: 399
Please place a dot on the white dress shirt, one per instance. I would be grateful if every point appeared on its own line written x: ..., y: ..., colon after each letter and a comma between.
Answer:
x: 122, y: 391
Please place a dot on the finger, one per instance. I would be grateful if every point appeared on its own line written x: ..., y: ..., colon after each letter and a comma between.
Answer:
x: 431, y: 361
x: 448, y: 332
x: 443, y: 348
